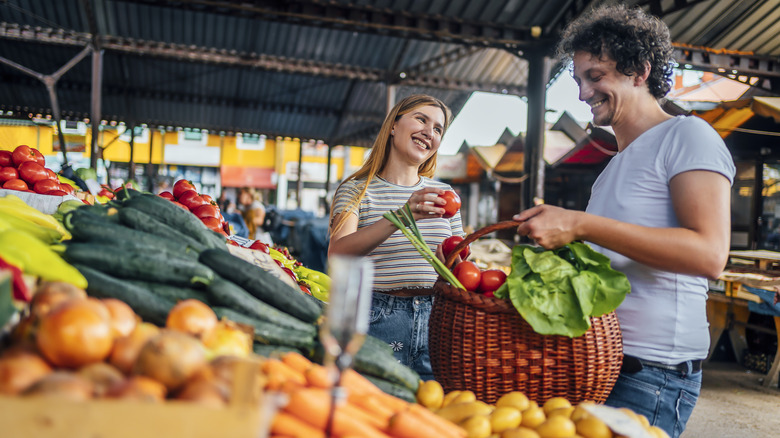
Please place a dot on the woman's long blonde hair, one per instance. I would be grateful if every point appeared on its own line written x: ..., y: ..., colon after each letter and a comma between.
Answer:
x: 380, y: 151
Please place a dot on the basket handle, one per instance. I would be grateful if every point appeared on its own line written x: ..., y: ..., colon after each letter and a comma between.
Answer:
x: 476, y: 235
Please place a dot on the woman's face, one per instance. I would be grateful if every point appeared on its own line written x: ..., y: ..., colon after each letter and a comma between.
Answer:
x: 417, y: 134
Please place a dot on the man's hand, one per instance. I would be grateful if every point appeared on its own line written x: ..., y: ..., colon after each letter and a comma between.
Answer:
x: 549, y: 226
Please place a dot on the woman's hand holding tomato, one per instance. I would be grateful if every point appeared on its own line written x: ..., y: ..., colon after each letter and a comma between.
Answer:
x: 452, y: 203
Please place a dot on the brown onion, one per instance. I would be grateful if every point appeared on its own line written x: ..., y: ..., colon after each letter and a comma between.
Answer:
x: 52, y: 293
x: 19, y: 370
x: 123, y: 318
x: 62, y: 384
x: 171, y: 358
x: 126, y: 348
x: 76, y: 333
x: 102, y: 375
x: 191, y: 316
x: 138, y: 388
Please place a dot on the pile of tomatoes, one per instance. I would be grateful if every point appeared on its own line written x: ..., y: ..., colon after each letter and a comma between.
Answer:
x: 469, y: 274
x: 24, y: 169
x: 203, y: 206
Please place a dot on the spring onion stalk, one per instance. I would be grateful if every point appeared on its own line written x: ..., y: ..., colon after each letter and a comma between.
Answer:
x: 404, y: 220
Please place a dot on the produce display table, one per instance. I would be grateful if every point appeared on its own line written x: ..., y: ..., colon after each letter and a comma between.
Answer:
x: 731, y: 301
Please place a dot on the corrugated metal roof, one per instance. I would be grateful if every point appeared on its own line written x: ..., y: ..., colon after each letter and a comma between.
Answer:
x: 309, y: 68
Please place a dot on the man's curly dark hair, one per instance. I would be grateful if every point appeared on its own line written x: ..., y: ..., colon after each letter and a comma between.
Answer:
x: 627, y: 35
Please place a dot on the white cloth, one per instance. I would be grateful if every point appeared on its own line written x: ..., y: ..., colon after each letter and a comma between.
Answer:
x: 664, y: 317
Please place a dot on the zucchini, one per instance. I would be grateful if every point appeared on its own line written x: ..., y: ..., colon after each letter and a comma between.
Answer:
x: 141, y: 221
x: 91, y: 229
x: 173, y: 293
x: 261, y: 284
x: 224, y: 293
x: 268, y: 333
x: 180, y: 219
x: 272, y: 350
x: 139, y: 265
x: 126, y: 193
x: 375, y: 343
x: 148, y: 306
x: 392, y: 389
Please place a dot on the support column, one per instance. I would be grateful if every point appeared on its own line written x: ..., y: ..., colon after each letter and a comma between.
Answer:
x: 391, y: 89
x: 96, y: 110
x: 538, y: 73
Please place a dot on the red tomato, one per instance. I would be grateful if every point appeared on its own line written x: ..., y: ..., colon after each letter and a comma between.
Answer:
x: 468, y: 274
x: 24, y: 153
x: 213, y: 224
x: 46, y: 185
x: 7, y: 173
x: 67, y: 188
x: 180, y: 205
x: 51, y: 174
x: 15, y: 184
x: 191, y: 199
x: 167, y: 195
x: 32, y: 172
x: 290, y: 273
x: 207, y: 198
x: 182, y: 186
x: 491, y: 280
x: 453, y: 203
x: 449, y: 245
x: 106, y: 193
x: 55, y: 193
x: 5, y: 159
x: 260, y: 246
x: 304, y: 288
x: 206, y: 210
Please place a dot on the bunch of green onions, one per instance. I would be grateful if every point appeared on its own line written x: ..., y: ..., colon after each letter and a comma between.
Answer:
x: 404, y: 220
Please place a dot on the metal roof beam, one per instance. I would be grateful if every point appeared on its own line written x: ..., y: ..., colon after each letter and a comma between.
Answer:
x: 208, y: 55
x: 365, y: 18
x: 656, y: 7
x: 758, y: 71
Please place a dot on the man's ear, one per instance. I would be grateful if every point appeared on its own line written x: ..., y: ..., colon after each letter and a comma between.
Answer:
x: 640, y: 78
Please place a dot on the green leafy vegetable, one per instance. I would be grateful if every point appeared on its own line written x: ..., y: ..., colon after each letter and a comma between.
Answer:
x: 558, y: 291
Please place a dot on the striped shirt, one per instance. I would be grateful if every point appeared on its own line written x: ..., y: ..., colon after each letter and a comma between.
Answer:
x: 396, y: 263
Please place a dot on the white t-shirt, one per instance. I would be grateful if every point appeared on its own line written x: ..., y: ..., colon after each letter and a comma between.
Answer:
x: 664, y: 318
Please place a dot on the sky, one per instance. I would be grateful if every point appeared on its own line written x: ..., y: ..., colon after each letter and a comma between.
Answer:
x: 485, y: 115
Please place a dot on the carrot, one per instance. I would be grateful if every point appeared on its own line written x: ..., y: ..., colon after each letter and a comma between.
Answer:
x: 312, y: 405
x: 297, y: 361
x: 406, y: 424
x: 445, y: 427
x: 277, y: 368
x: 288, y: 425
x: 317, y: 377
x: 372, y: 405
x: 355, y: 382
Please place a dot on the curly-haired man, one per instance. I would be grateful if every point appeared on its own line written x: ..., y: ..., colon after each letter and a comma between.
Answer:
x: 660, y: 209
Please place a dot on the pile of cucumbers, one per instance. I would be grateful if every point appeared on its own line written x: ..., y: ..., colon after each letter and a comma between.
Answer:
x: 151, y: 253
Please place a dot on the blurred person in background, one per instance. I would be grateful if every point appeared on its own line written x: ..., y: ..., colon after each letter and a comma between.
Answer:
x: 233, y: 217
x: 253, y: 211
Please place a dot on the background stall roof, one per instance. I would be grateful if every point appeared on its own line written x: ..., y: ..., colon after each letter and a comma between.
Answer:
x: 318, y: 69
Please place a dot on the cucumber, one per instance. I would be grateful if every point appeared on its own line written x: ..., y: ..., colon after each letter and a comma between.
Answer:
x: 92, y: 229
x: 268, y: 333
x: 141, y: 221
x: 148, y: 306
x: 377, y: 344
x: 139, y: 265
x: 224, y: 293
x: 126, y: 193
x: 261, y: 284
x: 180, y: 219
x: 173, y: 293
x: 391, y: 388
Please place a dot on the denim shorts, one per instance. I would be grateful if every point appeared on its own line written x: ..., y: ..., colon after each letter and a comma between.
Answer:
x: 402, y: 322
x: 665, y: 397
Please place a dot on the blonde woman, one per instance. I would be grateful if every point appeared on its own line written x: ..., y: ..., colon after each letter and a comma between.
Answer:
x: 398, y: 171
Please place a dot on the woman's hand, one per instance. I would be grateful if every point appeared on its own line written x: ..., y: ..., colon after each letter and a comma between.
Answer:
x: 425, y: 203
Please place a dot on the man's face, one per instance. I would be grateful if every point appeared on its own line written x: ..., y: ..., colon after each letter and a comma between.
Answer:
x: 609, y: 93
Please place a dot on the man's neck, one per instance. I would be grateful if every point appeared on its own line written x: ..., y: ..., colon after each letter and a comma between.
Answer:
x: 648, y: 114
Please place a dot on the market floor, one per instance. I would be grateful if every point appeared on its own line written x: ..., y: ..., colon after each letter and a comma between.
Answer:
x: 733, y: 403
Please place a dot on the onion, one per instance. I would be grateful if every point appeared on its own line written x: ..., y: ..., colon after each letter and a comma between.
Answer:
x: 191, y: 316
x: 76, y: 333
x: 126, y: 348
x: 203, y: 392
x: 20, y: 369
x: 52, y: 293
x: 138, y: 388
x: 63, y: 384
x: 228, y: 339
x: 102, y: 376
x: 171, y: 358
x: 123, y: 318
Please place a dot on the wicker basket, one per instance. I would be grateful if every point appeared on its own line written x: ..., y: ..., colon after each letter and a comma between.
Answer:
x: 482, y: 344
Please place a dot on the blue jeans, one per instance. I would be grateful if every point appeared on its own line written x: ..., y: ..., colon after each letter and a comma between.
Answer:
x: 402, y: 322
x: 665, y: 397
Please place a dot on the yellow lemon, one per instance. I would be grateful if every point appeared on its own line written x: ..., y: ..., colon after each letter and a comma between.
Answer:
x: 464, y: 397
x: 557, y: 427
x: 563, y: 412
x: 533, y: 417
x: 477, y: 426
x: 505, y: 417
x: 555, y: 403
x: 430, y: 394
x: 579, y: 413
x: 449, y: 397
x: 520, y: 432
x: 515, y: 399
x: 592, y: 427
